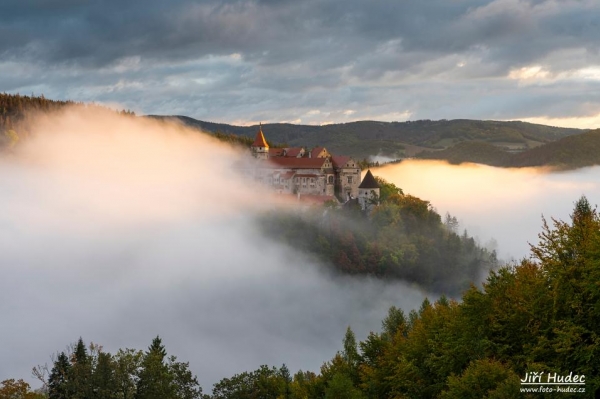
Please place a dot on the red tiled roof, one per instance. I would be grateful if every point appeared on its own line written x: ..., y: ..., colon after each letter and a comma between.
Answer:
x: 316, y: 151
x: 275, y: 152
x: 260, y: 141
x: 298, y: 163
x: 293, y: 151
x: 339, y: 160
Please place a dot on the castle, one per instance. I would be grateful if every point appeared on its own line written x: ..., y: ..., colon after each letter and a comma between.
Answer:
x: 314, y: 175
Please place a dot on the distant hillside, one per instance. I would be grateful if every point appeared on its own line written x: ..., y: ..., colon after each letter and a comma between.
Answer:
x: 17, y: 110
x: 567, y: 153
x: 471, y: 151
x: 570, y: 152
x: 367, y: 138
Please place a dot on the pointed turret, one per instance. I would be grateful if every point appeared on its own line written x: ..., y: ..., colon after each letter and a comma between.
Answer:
x: 369, y: 181
x: 260, y: 148
x: 368, y: 192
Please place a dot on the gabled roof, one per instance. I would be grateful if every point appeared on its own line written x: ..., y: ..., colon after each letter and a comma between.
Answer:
x: 369, y: 181
x: 293, y: 151
x: 316, y: 151
x: 260, y: 141
x: 339, y: 160
x: 298, y: 163
x: 275, y: 152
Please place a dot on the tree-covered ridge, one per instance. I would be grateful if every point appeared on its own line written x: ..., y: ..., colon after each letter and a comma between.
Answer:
x: 85, y: 372
x: 567, y: 153
x: 471, y: 151
x: 540, y: 316
x: 362, y: 139
x: 16, y: 111
x: 14, y: 107
x: 402, y: 238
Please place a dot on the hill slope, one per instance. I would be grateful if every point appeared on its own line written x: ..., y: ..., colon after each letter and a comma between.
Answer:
x: 366, y: 138
x: 570, y: 152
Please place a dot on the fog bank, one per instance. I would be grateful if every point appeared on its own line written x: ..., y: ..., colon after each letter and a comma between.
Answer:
x: 496, y: 203
x: 117, y: 229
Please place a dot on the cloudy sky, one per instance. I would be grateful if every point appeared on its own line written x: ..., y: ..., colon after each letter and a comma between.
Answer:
x: 313, y: 61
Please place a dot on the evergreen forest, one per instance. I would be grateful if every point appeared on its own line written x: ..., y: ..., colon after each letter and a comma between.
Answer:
x: 539, y: 316
x: 402, y: 238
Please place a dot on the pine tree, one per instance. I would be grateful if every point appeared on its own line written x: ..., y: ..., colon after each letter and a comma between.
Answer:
x: 81, y: 372
x: 155, y: 379
x: 103, y: 383
x: 58, y: 381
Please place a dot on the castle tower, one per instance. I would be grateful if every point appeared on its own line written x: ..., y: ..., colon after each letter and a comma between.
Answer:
x: 368, y: 192
x: 260, y: 148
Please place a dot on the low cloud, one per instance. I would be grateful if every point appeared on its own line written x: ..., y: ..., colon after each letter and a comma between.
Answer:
x: 117, y: 229
x: 497, y: 203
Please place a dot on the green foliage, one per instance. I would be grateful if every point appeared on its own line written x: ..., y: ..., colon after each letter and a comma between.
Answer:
x: 471, y: 151
x: 485, y: 378
x: 17, y: 111
x: 340, y: 387
x: 570, y: 152
x: 241, y: 141
x: 155, y: 379
x: 11, y: 389
x: 127, y: 363
x: 403, y: 238
x: 395, y: 323
x: 265, y: 382
x: 59, y: 379
x: 388, y: 191
x: 366, y: 138
x: 129, y: 374
x: 541, y: 315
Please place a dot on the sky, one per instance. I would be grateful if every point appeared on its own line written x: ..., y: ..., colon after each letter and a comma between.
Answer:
x: 313, y: 61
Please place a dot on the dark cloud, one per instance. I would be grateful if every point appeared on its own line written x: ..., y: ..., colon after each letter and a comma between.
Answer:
x: 288, y: 31
x: 231, y: 60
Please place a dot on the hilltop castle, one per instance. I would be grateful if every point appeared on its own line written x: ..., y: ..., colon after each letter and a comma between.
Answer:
x: 316, y: 174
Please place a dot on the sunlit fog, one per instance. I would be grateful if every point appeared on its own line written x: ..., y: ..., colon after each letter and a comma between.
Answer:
x: 496, y: 204
x: 117, y: 229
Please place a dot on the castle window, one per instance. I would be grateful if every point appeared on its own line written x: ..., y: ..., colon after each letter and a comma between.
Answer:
x: 349, y: 179
x: 330, y: 179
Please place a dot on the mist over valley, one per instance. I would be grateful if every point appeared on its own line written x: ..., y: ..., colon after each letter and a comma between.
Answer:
x: 121, y: 228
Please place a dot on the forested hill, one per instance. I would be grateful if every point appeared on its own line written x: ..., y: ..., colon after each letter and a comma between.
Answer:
x: 537, y: 318
x: 396, y: 139
x: 403, y: 238
x: 567, y: 153
x: 458, y: 140
x: 17, y: 109
x: 14, y: 107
